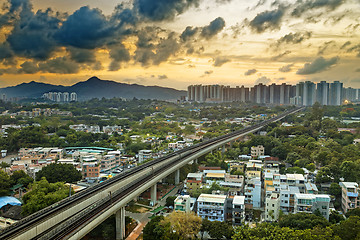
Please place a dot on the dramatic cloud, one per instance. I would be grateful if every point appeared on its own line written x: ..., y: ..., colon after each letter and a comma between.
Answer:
x: 161, y: 10
x: 81, y: 55
x: 213, y: 28
x: 118, y: 54
x: 264, y: 80
x: 85, y: 28
x: 188, y: 33
x: 293, y: 38
x: 318, y: 65
x: 307, y: 5
x: 250, y: 72
x: 268, y: 20
x: 59, y: 65
x: 32, y: 34
x: 286, y: 68
x: 219, y: 61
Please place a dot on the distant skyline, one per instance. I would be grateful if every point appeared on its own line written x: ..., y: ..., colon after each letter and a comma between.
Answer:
x: 180, y: 42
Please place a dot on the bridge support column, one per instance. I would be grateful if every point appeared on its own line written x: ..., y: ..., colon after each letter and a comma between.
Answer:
x: 223, y: 149
x: 177, y: 177
x: 120, y: 224
x: 196, y: 161
x: 153, y: 191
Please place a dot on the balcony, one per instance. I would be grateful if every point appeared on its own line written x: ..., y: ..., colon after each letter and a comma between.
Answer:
x: 352, y: 194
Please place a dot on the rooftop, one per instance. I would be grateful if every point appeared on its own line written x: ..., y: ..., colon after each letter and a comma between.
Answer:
x: 212, y: 198
x: 350, y: 184
x: 239, y: 200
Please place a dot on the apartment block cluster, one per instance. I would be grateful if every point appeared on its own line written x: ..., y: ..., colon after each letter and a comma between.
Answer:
x: 92, y: 162
x: 61, y: 96
x: 260, y: 187
x: 96, y: 129
x: 303, y: 93
x: 35, y: 112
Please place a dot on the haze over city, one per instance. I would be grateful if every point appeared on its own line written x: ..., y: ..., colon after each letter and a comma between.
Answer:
x: 178, y: 43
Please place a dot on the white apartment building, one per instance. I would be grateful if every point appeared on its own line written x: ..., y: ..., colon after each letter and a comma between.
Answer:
x: 211, y: 207
x: 238, y: 210
x: 144, y: 155
x: 287, y: 198
x: 308, y: 203
x: 349, y: 196
x: 252, y: 192
x: 272, y: 207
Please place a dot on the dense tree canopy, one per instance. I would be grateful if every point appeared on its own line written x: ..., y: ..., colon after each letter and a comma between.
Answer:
x: 59, y: 173
x: 43, y: 194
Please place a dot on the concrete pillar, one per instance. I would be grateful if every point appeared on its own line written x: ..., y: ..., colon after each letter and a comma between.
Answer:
x: 223, y: 149
x: 196, y: 161
x: 120, y: 224
x: 153, y: 191
x: 177, y: 177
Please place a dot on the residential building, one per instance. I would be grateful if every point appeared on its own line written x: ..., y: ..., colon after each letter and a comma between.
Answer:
x: 322, y: 93
x: 287, y: 198
x: 309, y: 203
x: 194, y: 181
x: 91, y: 168
x: 272, y: 207
x: 349, y: 196
x: 257, y: 151
x: 211, y: 207
x: 336, y: 93
x: 311, y: 188
x: 144, y: 155
x: 182, y: 203
x: 252, y: 192
x: 238, y: 210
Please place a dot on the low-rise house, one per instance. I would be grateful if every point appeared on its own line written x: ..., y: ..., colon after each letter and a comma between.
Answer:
x: 194, y: 181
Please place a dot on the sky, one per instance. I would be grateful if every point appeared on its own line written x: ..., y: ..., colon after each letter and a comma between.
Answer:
x: 176, y: 43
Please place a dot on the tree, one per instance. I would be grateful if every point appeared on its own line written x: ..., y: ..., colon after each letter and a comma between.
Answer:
x: 20, y: 177
x: 353, y: 212
x: 154, y: 230
x: 302, y: 221
x: 295, y: 170
x: 170, y: 201
x: 348, y: 229
x: 335, y: 217
x: 220, y: 230
x: 4, y: 165
x: 59, y: 173
x: 43, y: 194
x: 205, y: 226
x: 4, y: 183
x: 186, y: 225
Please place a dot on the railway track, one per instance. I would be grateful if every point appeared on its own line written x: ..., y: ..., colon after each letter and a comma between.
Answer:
x: 151, y: 169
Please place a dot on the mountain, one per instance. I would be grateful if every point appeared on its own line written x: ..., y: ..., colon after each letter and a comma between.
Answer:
x: 94, y: 88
